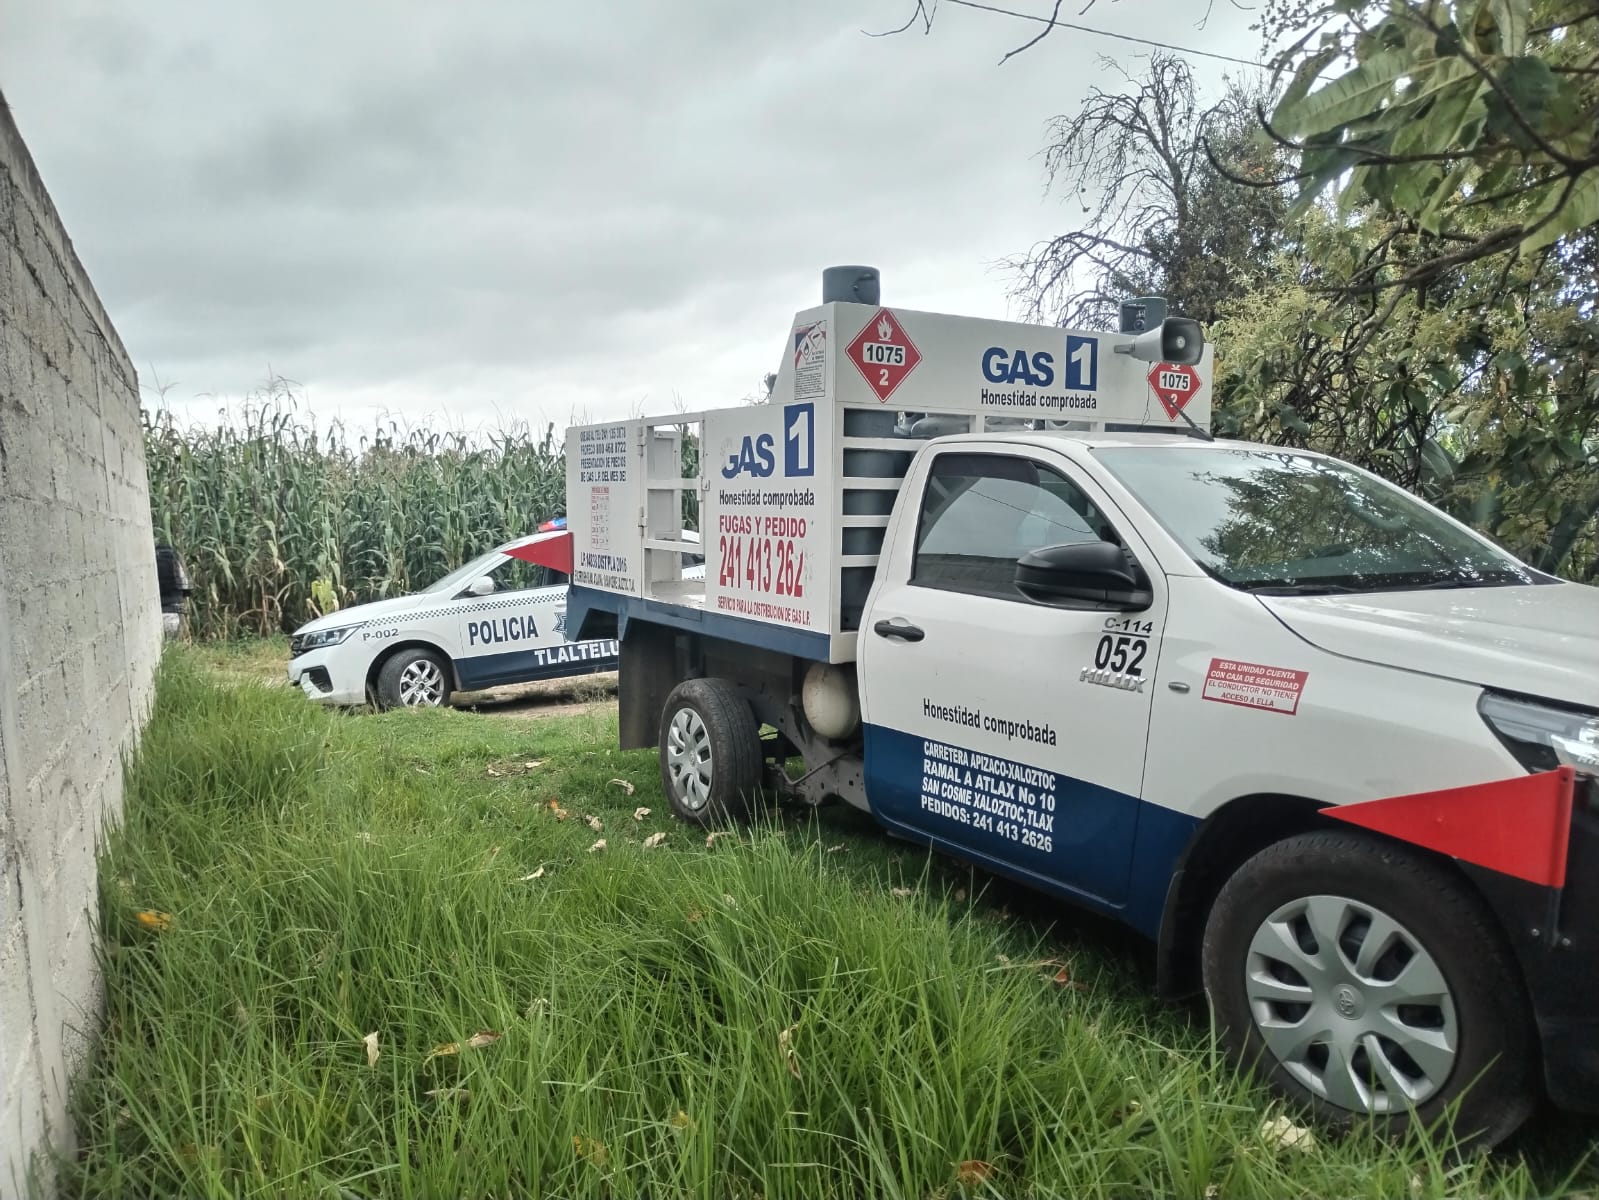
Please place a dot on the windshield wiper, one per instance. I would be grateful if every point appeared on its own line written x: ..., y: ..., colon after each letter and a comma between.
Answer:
x: 1304, y: 589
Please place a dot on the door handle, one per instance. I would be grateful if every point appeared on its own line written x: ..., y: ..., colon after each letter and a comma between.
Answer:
x: 897, y: 628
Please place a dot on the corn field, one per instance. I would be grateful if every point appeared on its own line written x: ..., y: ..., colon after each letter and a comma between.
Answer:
x: 279, y: 521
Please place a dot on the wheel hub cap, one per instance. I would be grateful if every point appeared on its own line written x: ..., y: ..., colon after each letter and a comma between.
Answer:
x: 688, y: 758
x: 422, y: 685
x: 1351, y: 1004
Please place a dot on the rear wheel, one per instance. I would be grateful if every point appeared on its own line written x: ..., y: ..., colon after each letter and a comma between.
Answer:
x: 710, y: 752
x: 1368, y: 983
x: 413, y: 678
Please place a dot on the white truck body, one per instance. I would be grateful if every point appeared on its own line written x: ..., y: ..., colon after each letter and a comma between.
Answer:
x: 909, y: 612
x: 796, y: 492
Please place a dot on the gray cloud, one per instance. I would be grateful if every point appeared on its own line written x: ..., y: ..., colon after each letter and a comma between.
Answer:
x: 478, y: 209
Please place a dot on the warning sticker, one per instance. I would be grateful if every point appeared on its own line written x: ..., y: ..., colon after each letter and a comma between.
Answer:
x: 810, y: 360
x: 1250, y: 685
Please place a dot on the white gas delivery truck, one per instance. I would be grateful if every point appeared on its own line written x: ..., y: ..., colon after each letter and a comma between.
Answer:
x: 1331, y: 750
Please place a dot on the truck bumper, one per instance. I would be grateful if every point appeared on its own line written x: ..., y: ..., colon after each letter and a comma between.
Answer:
x: 318, y: 674
x: 1555, y: 935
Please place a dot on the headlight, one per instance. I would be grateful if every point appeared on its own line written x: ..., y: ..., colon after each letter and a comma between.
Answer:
x: 1543, y: 737
x: 301, y: 642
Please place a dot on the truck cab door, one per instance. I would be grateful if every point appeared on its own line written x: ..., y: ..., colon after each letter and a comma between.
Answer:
x: 1004, y: 730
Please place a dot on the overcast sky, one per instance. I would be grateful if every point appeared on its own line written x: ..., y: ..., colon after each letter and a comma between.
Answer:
x: 467, y: 213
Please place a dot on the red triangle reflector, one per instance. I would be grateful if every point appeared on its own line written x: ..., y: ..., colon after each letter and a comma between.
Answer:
x: 554, y: 552
x: 1518, y: 827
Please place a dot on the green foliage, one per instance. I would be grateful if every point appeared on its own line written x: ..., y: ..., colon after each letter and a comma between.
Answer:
x: 1473, y: 120
x: 1481, y: 392
x: 279, y: 521
x: 765, y: 1017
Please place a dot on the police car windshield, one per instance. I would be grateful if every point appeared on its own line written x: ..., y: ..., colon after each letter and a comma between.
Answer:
x: 1275, y: 520
x: 461, y: 576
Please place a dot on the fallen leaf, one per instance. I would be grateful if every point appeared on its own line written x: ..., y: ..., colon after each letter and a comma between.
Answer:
x: 159, y: 921
x: 710, y: 838
x: 590, y: 1148
x: 960, y: 895
x: 654, y: 840
x: 681, y: 1120
x: 625, y: 786
x: 1282, y: 1134
x: 901, y: 893
x: 371, y: 1041
x: 443, y: 1051
x: 483, y: 1037
x: 972, y: 1172
x: 594, y: 824
x: 534, y: 765
x: 1063, y: 977
x: 539, y: 874
x: 461, y: 1095
x: 785, y: 1044
x: 493, y: 774
x: 640, y: 813
x: 560, y: 813
x: 599, y: 845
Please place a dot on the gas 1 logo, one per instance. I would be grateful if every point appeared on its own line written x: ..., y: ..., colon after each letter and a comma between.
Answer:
x: 1005, y: 366
x: 755, y: 457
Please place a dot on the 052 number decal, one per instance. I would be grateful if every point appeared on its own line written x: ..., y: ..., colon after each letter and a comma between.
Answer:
x: 1121, y: 653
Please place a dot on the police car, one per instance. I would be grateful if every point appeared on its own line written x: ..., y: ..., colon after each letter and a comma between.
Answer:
x: 500, y: 619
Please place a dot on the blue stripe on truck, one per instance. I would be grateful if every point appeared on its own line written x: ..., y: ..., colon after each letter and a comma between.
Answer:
x: 1107, y: 850
x: 582, y: 602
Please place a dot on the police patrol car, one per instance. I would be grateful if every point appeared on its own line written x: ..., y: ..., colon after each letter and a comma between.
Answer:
x: 498, y: 620
x: 1333, y: 752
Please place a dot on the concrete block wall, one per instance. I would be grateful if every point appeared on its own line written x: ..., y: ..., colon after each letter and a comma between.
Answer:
x: 79, y: 643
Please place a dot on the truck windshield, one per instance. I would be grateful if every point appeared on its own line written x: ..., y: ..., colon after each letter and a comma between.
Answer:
x: 1280, y: 521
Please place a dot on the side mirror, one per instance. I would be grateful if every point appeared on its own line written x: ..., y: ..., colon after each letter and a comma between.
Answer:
x: 481, y: 586
x: 1083, y: 575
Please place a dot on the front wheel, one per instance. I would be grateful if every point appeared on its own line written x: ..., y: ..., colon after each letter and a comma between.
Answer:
x: 710, y: 752
x: 1367, y: 982
x: 413, y: 678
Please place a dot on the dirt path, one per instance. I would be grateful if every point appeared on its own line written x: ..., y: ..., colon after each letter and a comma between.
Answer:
x: 550, y: 698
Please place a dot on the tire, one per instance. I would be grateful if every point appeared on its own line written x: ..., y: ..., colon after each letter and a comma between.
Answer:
x: 413, y: 678
x: 710, y: 752
x: 1467, y: 1039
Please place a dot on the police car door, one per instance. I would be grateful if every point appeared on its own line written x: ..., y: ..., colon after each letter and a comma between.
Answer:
x: 504, y: 636
x: 1008, y: 730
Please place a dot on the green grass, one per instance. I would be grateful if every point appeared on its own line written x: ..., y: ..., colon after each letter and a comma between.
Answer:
x: 329, y: 876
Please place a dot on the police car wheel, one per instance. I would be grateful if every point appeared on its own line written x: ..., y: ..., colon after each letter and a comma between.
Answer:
x: 710, y: 752
x: 413, y: 678
x: 1369, y: 984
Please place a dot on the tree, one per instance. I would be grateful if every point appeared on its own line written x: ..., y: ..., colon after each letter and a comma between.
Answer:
x: 1162, y: 219
x: 1471, y: 120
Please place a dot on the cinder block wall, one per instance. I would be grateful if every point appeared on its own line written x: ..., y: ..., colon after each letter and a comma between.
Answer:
x: 78, y: 647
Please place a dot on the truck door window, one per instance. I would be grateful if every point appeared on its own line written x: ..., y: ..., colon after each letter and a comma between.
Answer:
x: 981, y: 512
